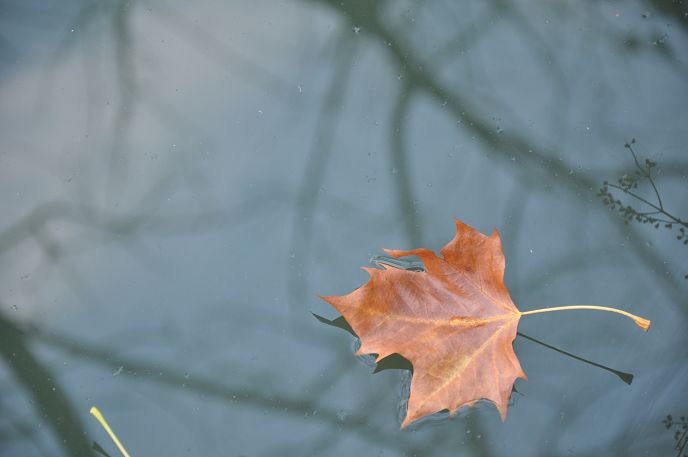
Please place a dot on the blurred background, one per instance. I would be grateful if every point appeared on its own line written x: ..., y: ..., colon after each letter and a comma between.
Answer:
x: 180, y: 180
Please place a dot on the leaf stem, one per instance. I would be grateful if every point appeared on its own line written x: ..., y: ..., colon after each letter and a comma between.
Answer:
x: 639, y: 321
x: 99, y: 417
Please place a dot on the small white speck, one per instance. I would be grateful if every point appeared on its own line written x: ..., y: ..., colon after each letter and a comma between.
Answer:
x: 356, y: 29
x: 118, y: 371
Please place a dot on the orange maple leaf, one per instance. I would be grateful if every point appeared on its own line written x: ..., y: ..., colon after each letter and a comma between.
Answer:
x: 455, y: 322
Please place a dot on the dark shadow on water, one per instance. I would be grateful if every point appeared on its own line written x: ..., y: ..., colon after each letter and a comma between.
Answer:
x: 52, y: 405
x: 625, y: 377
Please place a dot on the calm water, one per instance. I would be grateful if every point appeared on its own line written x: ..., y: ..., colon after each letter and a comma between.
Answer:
x: 180, y: 180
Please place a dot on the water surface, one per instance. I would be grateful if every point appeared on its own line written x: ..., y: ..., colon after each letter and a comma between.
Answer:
x: 180, y: 181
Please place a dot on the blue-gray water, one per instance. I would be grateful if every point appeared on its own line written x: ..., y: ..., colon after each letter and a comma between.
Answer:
x: 180, y: 181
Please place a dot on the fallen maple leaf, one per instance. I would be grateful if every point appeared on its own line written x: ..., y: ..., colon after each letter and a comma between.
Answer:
x: 455, y: 322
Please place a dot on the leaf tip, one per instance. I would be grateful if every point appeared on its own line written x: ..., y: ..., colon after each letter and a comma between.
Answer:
x: 502, y: 407
x: 371, y: 271
x: 327, y: 298
x: 396, y: 253
x: 406, y: 422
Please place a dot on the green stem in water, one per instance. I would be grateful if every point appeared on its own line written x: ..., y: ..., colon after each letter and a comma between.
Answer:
x: 639, y: 321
